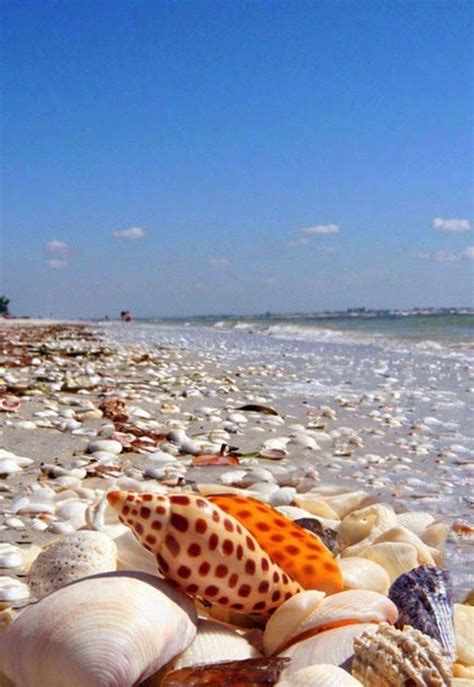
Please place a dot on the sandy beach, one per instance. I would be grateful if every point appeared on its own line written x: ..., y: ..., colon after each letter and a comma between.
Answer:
x: 268, y: 417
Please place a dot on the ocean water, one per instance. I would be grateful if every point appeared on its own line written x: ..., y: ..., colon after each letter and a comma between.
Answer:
x: 448, y: 330
x: 404, y: 381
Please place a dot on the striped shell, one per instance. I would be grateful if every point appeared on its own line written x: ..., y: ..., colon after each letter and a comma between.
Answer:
x: 205, y: 552
x: 298, y: 552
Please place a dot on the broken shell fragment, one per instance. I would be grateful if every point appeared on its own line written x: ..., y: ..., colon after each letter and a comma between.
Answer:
x: 251, y: 673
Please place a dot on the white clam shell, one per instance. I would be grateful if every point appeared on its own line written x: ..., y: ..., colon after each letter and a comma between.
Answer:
x: 217, y: 641
x: 306, y: 611
x: 111, y: 630
x: 72, y: 557
x: 12, y: 589
x: 322, y: 675
x: 333, y: 647
x: 362, y: 573
x: 402, y: 534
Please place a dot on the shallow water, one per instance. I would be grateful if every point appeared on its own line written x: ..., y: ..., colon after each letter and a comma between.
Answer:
x: 414, y: 407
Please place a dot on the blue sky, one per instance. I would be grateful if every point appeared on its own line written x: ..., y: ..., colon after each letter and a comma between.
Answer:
x: 208, y: 157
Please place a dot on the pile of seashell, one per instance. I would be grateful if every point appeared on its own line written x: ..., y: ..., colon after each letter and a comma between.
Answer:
x: 225, y: 588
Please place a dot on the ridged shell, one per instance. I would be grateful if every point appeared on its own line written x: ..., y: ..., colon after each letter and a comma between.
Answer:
x: 395, y: 658
x: 402, y: 534
x: 70, y: 558
x: 395, y: 557
x: 464, y: 632
x: 215, y: 641
x: 354, y: 606
x: 423, y: 597
x: 322, y: 675
x: 316, y: 506
x: 333, y: 646
x: 110, y: 630
x: 416, y: 520
x: 362, y: 573
x: 343, y: 503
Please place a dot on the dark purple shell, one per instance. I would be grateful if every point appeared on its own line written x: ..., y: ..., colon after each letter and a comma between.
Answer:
x: 423, y: 597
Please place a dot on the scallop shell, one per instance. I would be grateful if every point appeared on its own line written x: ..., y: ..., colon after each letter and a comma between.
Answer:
x: 423, y: 597
x: 111, y: 630
x: 70, y: 558
x: 395, y: 557
x: 333, y: 646
x: 322, y: 675
x: 416, y: 521
x: 205, y: 552
x: 362, y: 573
x: 402, y: 534
x: 395, y: 658
x: 361, y: 528
x: 307, y: 614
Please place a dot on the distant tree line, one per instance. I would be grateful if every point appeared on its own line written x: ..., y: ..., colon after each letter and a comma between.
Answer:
x: 4, y: 301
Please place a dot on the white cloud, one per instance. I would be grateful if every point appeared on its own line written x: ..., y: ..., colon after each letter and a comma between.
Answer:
x: 446, y: 258
x: 56, y: 264
x: 56, y: 246
x: 218, y: 262
x: 468, y: 253
x: 321, y: 229
x: 451, y: 224
x: 301, y: 241
x: 131, y: 234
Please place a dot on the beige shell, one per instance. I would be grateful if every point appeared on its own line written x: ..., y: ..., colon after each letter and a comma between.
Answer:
x: 435, y: 535
x: 415, y: 520
x: 362, y: 573
x: 216, y: 641
x: 303, y: 613
x: 110, y: 630
x: 463, y: 682
x: 464, y: 633
x: 462, y: 671
x: 395, y: 557
x: 394, y: 658
x: 333, y: 646
x: 316, y: 506
x: 322, y: 675
x: 70, y: 558
x: 402, y: 534
x: 362, y: 527
x: 344, y: 502
x: 288, y: 619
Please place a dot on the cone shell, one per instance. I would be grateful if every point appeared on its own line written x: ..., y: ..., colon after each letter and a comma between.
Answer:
x: 394, y: 658
x: 423, y: 597
x: 298, y: 552
x: 323, y: 675
x: 311, y: 616
x: 110, y: 630
x: 205, y: 552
